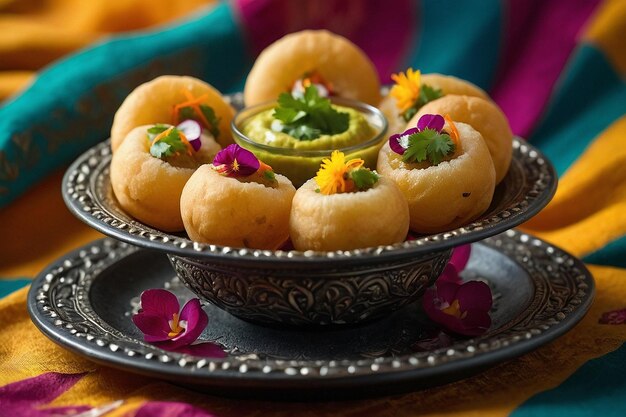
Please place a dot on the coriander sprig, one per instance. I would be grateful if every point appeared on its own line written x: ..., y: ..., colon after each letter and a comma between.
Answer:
x: 310, y: 116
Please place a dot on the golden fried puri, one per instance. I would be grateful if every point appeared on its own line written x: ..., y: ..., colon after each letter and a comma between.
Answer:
x: 484, y: 116
x: 153, y: 102
x: 378, y: 216
x: 149, y: 188
x: 340, y: 63
x: 448, y: 195
x: 225, y: 211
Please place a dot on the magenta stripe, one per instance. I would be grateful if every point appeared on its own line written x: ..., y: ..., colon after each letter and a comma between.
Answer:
x: 383, y: 32
x: 540, y: 38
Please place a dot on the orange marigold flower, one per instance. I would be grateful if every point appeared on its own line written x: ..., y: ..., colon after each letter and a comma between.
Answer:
x: 406, y: 89
x: 332, y: 176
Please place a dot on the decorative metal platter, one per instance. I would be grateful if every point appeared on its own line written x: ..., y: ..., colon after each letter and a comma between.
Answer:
x: 84, y: 301
x: 528, y: 186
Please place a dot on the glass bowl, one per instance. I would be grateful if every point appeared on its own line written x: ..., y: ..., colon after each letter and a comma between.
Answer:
x: 301, y: 164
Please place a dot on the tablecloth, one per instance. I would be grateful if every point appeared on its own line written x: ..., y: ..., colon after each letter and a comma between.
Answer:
x: 556, y: 68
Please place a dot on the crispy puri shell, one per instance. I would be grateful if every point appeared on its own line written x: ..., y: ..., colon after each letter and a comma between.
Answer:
x: 447, y: 195
x: 152, y: 102
x: 148, y: 188
x: 453, y: 85
x: 446, y: 83
x: 484, y: 116
x: 378, y: 216
x: 224, y: 211
x: 338, y: 61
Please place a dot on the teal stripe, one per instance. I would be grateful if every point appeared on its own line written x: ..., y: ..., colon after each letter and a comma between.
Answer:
x: 613, y: 254
x: 459, y: 38
x: 596, y: 389
x: 589, y: 98
x: 70, y: 106
x: 9, y: 286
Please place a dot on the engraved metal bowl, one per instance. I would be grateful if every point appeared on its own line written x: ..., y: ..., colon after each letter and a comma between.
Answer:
x: 309, y: 288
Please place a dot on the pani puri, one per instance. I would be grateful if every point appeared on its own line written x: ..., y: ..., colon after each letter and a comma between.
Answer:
x: 337, y: 60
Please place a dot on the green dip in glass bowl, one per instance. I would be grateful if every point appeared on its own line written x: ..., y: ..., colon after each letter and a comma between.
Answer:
x: 299, y: 160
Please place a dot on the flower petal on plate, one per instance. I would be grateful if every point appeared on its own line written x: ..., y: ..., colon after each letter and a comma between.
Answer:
x: 475, y: 323
x: 196, y: 320
x: 205, y: 349
x: 155, y: 328
x: 475, y: 295
x: 159, y: 302
x: 460, y: 256
x: 450, y: 274
x: 447, y: 291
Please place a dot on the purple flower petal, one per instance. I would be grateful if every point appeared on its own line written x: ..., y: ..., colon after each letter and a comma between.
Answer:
x: 395, y: 146
x: 450, y: 274
x: 196, y: 320
x: 474, y: 295
x: 237, y: 161
x: 475, y: 323
x: 196, y: 144
x: 460, y: 256
x: 205, y: 349
x: 155, y: 328
x: 395, y: 141
x: 431, y: 121
x: 159, y: 302
x: 472, y: 302
x: 613, y: 317
x: 447, y: 291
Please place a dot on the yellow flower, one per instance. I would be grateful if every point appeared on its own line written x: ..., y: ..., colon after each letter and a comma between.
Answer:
x: 332, y: 176
x: 406, y: 89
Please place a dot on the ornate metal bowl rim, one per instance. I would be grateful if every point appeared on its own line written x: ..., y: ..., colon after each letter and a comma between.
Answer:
x: 81, y: 177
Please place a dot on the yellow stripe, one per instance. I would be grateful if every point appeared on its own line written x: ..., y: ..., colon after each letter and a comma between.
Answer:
x: 607, y: 30
x: 589, y: 209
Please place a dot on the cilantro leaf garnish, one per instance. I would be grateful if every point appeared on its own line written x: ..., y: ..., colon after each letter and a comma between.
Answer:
x: 439, y: 147
x: 167, y: 145
x: 207, y: 112
x: 428, y: 145
x: 427, y: 94
x: 156, y: 130
x: 364, y: 178
x: 310, y: 116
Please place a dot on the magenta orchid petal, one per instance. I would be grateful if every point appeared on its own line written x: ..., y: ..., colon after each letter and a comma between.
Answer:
x: 450, y: 274
x: 431, y: 121
x: 446, y: 291
x: 155, y: 328
x: 476, y: 323
x: 461, y: 308
x: 159, y: 302
x: 205, y: 349
x: 474, y: 295
x: 236, y: 161
x: 196, y: 320
x: 460, y: 256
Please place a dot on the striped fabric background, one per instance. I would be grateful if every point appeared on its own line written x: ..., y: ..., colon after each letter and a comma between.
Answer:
x: 558, y: 70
